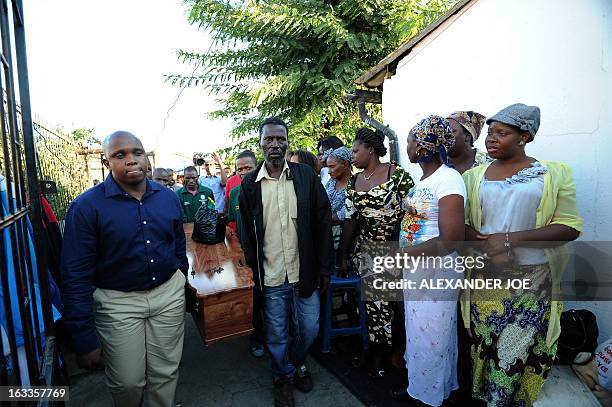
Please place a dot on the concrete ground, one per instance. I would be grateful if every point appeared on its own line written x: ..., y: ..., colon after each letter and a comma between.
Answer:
x: 223, y: 374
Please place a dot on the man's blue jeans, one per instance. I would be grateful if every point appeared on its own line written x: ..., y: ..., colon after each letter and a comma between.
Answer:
x: 281, y: 303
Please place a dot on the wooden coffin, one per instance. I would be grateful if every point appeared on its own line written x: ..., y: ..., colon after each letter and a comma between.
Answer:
x: 221, y: 285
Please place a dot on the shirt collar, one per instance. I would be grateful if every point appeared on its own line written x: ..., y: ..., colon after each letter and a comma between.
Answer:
x: 111, y: 188
x: 201, y: 188
x: 263, y: 172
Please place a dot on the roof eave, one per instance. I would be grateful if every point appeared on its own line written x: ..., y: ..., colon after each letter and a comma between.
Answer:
x: 375, y: 76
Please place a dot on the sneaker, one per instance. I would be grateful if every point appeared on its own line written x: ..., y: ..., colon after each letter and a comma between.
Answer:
x: 302, y: 379
x: 283, y: 393
x: 258, y: 351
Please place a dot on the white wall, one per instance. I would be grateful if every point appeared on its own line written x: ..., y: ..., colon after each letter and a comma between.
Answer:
x: 556, y: 54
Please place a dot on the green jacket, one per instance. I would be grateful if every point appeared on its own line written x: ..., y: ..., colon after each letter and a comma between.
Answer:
x: 233, y: 210
x: 191, y: 203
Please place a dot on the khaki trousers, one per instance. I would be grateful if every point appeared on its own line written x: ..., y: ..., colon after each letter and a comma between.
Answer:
x: 142, y: 341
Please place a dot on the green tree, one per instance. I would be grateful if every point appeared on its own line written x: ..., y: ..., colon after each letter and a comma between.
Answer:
x: 296, y: 58
x: 84, y: 136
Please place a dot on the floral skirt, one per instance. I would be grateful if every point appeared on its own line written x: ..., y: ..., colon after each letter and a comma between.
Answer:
x: 380, y: 313
x: 510, y: 358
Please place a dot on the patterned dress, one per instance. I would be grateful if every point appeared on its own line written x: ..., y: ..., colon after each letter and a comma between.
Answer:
x: 378, y: 213
x: 509, y: 353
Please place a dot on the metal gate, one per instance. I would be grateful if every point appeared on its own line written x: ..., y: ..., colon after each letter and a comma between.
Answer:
x: 27, y: 324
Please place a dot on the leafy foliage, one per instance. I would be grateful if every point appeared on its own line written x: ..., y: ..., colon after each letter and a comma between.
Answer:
x: 84, y: 136
x: 58, y: 161
x: 296, y: 59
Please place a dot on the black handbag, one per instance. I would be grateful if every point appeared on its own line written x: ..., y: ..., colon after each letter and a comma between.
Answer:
x: 208, y: 226
x: 579, y: 333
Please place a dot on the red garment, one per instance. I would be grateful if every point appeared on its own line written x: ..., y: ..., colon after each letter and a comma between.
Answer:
x: 232, y: 182
x: 53, y: 240
x: 48, y: 210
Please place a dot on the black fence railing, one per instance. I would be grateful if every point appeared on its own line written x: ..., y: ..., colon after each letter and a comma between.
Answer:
x: 29, y: 354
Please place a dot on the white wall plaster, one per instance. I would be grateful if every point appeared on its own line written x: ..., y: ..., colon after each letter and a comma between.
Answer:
x: 556, y: 54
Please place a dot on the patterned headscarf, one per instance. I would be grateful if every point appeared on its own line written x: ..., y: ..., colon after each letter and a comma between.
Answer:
x: 341, y: 153
x: 470, y: 121
x: 435, y: 135
x: 326, y: 154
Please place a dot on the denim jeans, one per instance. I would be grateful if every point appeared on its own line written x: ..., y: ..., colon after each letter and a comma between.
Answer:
x: 281, y: 303
x: 258, y: 337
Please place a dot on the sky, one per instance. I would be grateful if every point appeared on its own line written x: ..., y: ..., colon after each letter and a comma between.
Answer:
x: 101, y: 64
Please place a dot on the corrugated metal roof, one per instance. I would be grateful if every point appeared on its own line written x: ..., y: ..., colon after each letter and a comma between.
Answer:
x: 376, y: 75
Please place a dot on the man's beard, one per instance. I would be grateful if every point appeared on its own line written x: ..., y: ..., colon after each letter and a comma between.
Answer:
x: 276, y: 161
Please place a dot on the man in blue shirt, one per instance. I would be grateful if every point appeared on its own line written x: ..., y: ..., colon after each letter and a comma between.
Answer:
x: 214, y: 182
x: 123, y: 269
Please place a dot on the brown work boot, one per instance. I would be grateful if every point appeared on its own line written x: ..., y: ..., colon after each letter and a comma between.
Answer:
x: 302, y: 379
x: 283, y: 393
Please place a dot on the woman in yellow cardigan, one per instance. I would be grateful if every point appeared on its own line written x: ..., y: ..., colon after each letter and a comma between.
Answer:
x: 513, y: 200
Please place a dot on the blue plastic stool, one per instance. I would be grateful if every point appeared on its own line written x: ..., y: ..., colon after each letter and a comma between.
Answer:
x: 353, y: 281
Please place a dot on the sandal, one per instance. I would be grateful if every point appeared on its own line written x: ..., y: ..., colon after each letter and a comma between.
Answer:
x: 377, y: 368
x: 377, y: 374
x: 360, y: 359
